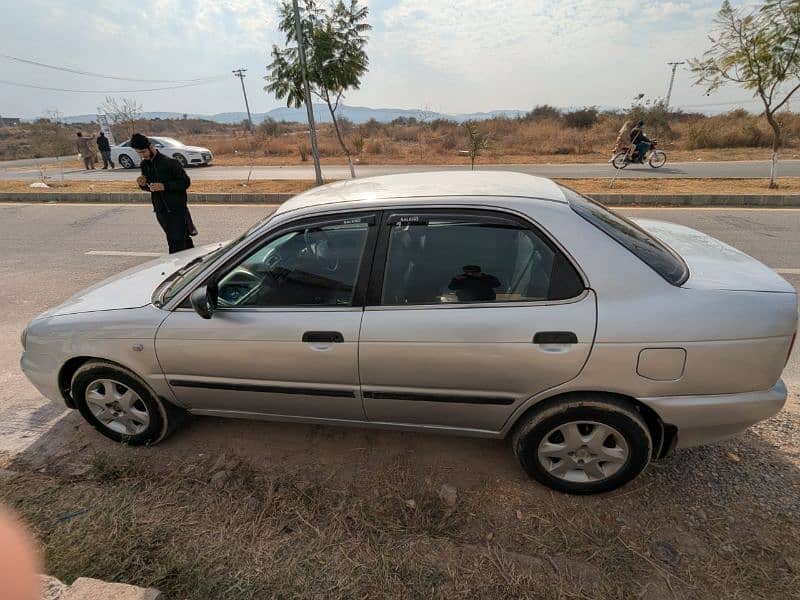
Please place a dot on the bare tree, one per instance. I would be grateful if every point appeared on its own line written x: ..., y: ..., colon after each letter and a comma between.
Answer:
x: 478, y: 142
x: 123, y: 111
x: 758, y: 49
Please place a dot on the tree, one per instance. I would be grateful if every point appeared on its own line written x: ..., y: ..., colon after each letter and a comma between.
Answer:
x: 123, y: 111
x: 334, y: 42
x: 758, y: 49
x: 478, y: 142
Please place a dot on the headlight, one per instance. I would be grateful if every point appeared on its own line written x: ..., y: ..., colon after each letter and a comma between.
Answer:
x: 24, y: 337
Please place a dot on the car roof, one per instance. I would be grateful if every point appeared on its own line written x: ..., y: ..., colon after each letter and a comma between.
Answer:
x: 436, y: 184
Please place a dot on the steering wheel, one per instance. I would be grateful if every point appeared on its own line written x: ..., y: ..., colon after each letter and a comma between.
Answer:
x: 322, y: 251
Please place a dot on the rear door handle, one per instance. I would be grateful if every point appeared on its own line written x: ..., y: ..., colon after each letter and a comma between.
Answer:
x: 323, y: 337
x: 555, y: 337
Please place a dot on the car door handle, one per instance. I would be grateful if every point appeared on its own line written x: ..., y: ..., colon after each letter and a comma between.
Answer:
x: 323, y: 337
x: 555, y: 337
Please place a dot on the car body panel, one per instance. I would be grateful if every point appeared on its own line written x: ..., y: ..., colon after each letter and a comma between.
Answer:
x: 483, y: 356
x: 255, y: 361
x: 714, y: 265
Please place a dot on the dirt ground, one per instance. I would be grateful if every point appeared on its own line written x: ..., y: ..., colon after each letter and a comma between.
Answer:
x: 653, y: 186
x: 295, y: 511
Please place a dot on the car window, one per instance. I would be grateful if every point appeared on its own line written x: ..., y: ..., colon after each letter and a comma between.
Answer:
x: 123, y: 145
x: 441, y: 259
x: 165, y: 141
x: 312, y: 266
x: 647, y: 248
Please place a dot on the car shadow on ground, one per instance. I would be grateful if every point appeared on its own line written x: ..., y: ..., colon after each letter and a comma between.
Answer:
x: 754, y: 467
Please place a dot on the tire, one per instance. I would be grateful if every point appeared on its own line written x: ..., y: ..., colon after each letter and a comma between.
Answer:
x: 98, y: 385
x: 608, y: 429
x: 620, y: 160
x: 126, y: 162
x: 658, y: 159
x: 181, y: 159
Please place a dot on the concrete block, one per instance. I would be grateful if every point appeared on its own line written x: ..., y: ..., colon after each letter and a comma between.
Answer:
x: 85, y: 588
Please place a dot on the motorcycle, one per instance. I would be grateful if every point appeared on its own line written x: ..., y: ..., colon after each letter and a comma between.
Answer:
x: 626, y: 155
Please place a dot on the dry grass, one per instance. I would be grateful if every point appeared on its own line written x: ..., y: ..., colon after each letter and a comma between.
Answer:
x: 654, y: 186
x: 303, y: 534
x: 225, y: 186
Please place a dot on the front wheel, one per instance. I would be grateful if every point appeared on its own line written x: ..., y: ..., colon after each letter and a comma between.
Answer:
x: 181, y: 159
x: 658, y: 159
x: 126, y: 162
x: 620, y: 160
x: 584, y: 446
x: 120, y: 406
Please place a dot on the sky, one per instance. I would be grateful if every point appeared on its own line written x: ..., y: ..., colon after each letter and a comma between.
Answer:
x: 440, y: 55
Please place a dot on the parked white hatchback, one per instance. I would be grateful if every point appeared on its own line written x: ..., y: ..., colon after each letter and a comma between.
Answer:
x: 196, y: 156
x: 483, y: 304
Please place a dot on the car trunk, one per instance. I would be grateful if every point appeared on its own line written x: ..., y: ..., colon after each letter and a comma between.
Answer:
x: 714, y: 265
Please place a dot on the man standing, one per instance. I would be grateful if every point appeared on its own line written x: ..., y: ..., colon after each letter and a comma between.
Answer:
x: 85, y: 151
x: 167, y: 183
x: 105, y: 150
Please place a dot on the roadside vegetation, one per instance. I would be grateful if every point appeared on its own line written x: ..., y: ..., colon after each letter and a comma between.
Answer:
x: 544, y: 134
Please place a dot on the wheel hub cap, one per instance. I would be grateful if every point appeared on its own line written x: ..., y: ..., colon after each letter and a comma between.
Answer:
x: 117, y: 407
x: 583, y: 451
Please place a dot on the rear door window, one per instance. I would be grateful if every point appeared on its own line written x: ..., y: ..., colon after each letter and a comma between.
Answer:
x: 656, y: 255
x: 456, y: 258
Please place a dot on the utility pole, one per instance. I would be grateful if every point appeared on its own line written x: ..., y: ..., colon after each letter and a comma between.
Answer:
x: 240, y: 73
x: 671, y: 81
x: 312, y: 127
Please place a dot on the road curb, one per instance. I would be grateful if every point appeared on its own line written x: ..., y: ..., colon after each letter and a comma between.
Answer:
x: 686, y: 200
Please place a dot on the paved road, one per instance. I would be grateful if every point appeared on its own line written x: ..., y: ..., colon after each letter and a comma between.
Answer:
x: 743, y: 169
x: 51, y: 251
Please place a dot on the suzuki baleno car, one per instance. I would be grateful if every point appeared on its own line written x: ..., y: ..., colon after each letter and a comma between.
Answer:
x: 483, y: 304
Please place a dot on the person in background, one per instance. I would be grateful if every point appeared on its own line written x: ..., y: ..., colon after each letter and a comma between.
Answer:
x: 105, y: 150
x: 167, y: 183
x: 640, y: 140
x: 85, y: 150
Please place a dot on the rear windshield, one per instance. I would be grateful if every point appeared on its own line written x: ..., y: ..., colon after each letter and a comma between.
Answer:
x: 648, y: 249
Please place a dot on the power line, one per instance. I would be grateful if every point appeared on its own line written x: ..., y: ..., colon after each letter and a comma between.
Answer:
x: 55, y: 89
x: 91, y: 74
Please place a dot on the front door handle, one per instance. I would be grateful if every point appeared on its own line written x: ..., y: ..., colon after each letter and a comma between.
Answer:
x: 555, y: 337
x: 326, y: 337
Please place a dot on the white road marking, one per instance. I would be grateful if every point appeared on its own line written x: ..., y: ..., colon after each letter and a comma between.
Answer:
x: 121, y: 253
x: 788, y: 271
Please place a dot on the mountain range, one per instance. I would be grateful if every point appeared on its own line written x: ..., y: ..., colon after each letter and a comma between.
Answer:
x: 356, y: 114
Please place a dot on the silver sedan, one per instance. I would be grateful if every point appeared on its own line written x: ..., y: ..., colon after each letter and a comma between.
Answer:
x: 484, y: 304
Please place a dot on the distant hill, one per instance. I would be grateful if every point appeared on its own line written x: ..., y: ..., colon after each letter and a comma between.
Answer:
x: 357, y: 114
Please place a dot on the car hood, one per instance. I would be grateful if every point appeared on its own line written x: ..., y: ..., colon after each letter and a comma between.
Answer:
x: 196, y: 149
x: 130, y: 289
x: 714, y: 265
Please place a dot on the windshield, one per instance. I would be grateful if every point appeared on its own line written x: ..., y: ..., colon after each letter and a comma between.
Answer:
x: 181, y: 279
x: 167, y: 141
x: 656, y: 255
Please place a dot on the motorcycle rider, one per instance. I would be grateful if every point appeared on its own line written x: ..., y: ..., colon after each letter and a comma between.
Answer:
x: 640, y: 140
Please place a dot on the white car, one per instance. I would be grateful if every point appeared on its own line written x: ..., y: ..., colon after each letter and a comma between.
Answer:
x: 186, y: 155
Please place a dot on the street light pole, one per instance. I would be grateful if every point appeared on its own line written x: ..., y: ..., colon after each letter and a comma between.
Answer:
x: 671, y: 81
x: 312, y: 127
x: 240, y: 73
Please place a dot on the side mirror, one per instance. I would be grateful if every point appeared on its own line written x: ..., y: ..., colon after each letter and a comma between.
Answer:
x: 204, y: 300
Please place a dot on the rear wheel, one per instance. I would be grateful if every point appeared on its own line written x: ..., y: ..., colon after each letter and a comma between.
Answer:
x: 658, y: 159
x: 584, y: 446
x: 126, y: 162
x: 120, y: 406
x: 620, y: 160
